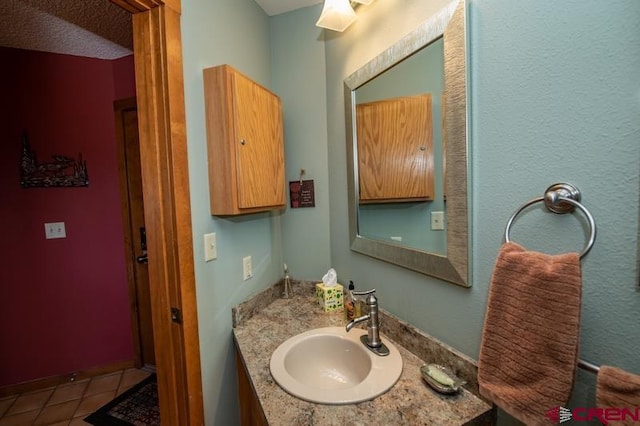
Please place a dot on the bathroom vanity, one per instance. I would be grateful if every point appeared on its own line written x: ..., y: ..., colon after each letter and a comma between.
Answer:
x: 262, y: 323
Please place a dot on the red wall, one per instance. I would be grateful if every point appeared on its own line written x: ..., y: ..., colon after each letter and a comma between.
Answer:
x: 64, y: 302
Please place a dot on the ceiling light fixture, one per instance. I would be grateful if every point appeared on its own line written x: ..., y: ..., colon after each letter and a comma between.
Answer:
x: 337, y: 15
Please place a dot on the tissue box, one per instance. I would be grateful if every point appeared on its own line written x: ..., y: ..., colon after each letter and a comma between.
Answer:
x: 330, y: 298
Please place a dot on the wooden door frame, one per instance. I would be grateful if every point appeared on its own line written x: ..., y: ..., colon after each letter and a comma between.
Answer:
x: 165, y: 180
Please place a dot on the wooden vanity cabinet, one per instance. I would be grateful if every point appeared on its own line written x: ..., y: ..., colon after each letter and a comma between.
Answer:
x: 245, y: 144
x: 251, y: 413
x: 395, y: 150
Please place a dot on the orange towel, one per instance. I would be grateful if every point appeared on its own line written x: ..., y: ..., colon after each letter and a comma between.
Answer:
x: 615, y: 388
x: 529, y: 349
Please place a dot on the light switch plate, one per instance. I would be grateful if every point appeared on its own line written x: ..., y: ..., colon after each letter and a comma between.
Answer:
x: 54, y: 230
x: 437, y: 221
x: 210, y: 247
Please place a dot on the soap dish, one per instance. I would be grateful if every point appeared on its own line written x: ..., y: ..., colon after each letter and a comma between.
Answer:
x: 441, y: 379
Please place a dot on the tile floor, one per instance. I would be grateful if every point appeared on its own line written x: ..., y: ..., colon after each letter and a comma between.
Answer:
x: 69, y: 403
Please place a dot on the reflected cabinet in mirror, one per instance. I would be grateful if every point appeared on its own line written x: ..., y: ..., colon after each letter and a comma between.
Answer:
x: 406, y: 117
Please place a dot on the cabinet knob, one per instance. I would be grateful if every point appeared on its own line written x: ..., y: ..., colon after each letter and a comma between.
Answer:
x: 243, y: 142
x: 423, y: 147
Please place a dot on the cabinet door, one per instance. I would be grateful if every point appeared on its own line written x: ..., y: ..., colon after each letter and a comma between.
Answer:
x: 259, y: 148
x: 251, y: 413
x: 395, y: 149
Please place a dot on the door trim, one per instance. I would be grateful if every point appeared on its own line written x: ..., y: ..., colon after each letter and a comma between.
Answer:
x: 163, y: 155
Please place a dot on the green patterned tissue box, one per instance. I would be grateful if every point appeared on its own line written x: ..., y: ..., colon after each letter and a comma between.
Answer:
x: 330, y: 298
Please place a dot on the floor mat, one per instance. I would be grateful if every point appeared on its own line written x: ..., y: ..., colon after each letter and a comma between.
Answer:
x: 136, y: 407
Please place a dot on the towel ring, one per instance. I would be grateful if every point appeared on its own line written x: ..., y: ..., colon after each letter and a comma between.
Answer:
x: 560, y: 198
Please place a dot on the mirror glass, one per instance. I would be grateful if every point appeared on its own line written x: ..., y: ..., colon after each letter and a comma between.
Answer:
x: 399, y: 142
x: 406, y: 118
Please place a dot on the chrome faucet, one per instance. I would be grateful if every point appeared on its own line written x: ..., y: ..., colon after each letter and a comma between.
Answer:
x: 372, y: 339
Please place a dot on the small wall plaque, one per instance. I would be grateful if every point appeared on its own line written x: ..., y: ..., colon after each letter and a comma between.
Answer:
x: 302, y: 194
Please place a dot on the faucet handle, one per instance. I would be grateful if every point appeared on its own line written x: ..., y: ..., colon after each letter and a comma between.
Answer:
x: 371, y: 299
x: 364, y: 293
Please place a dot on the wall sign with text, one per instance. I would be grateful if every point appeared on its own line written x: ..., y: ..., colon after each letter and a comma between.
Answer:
x: 302, y: 194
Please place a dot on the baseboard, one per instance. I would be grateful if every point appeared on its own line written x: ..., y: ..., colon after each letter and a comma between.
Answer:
x: 51, y: 381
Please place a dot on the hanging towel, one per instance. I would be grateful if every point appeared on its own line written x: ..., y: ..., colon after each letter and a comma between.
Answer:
x: 616, y: 388
x: 529, y: 348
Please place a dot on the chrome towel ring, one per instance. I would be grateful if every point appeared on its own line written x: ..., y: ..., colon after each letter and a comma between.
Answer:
x: 560, y: 198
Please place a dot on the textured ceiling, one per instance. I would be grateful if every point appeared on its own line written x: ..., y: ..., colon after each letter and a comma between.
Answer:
x: 91, y: 28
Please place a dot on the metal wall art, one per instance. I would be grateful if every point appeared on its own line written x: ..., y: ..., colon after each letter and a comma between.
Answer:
x: 61, y: 172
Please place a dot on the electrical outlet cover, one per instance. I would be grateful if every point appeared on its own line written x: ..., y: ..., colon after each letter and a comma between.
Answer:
x: 54, y: 230
x: 247, y: 273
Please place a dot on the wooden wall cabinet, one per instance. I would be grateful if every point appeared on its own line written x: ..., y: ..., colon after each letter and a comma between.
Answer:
x: 395, y: 150
x: 245, y: 144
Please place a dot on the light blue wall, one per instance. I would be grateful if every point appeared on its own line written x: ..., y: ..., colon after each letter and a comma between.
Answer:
x: 298, y: 69
x: 217, y: 32
x: 555, y: 96
x: 422, y: 72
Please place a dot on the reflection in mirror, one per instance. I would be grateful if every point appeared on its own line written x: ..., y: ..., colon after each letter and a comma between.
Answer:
x: 407, y: 150
x: 399, y: 145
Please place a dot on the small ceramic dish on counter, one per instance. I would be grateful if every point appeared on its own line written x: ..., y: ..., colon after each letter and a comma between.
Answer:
x: 441, y: 379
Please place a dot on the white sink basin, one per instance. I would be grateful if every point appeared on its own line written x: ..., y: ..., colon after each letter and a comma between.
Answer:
x: 330, y: 366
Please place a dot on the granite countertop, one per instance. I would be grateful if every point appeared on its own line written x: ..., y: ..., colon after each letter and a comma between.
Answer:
x: 262, y: 323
